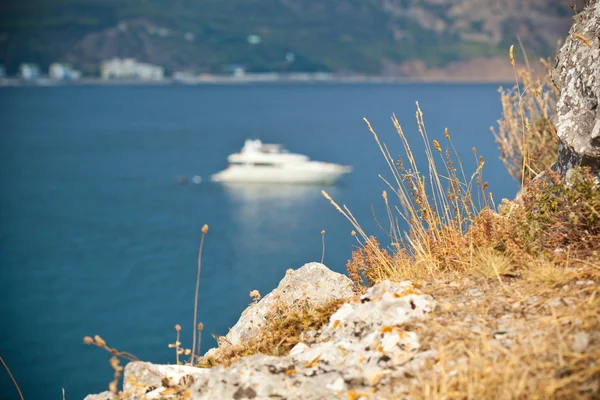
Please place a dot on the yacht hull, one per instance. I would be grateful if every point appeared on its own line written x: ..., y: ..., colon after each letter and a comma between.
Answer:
x: 317, y: 173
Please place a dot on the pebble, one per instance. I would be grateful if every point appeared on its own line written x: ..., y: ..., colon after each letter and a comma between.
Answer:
x: 555, y: 303
x: 474, y: 292
x: 581, y: 341
x: 531, y: 300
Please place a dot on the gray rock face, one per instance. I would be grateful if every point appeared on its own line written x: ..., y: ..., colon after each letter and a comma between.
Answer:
x: 356, y: 354
x: 577, y: 76
x: 313, y: 281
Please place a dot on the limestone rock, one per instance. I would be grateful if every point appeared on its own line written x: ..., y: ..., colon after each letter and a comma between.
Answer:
x: 313, y: 281
x: 141, y: 378
x: 362, y: 347
x: 365, y: 345
x: 577, y: 75
x: 100, y: 396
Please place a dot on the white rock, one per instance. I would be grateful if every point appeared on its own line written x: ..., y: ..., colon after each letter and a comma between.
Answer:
x: 140, y: 377
x: 313, y: 281
x: 100, y: 396
x: 297, y: 349
x: 362, y: 347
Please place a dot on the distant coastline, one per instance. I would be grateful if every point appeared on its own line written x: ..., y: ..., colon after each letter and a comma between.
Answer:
x: 251, y: 79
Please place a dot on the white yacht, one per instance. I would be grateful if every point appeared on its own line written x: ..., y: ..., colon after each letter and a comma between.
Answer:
x: 272, y: 163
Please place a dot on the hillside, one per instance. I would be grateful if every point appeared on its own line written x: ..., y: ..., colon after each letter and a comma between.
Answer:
x: 364, y: 36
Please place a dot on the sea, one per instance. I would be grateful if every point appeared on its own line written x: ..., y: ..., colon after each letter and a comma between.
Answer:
x: 99, y: 234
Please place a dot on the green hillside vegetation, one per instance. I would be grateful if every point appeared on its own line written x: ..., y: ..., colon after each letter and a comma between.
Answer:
x: 210, y: 35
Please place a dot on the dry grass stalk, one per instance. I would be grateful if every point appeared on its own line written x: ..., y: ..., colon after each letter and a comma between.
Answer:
x: 12, y: 378
x: 204, y: 231
x: 323, y: 245
x: 526, y: 134
x: 438, y: 208
x: 114, y: 360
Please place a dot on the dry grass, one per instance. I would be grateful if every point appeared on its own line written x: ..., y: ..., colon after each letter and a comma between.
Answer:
x: 284, y: 325
x: 526, y: 134
x: 506, y: 343
x: 114, y: 360
x: 519, y: 313
x: 204, y: 231
x: 12, y: 378
x: 438, y: 207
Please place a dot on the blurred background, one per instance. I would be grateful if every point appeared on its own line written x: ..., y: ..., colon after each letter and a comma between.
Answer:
x: 109, y: 108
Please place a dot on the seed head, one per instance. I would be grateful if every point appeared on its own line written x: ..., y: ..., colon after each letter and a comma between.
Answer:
x: 255, y: 295
x: 437, y: 146
x: 88, y: 340
x: 353, y: 233
x: 323, y: 232
x: 177, y: 327
x: 474, y: 150
x: 446, y: 133
x: 99, y: 341
x: 511, y: 53
x: 114, y: 363
x: 205, y: 228
x: 200, y: 326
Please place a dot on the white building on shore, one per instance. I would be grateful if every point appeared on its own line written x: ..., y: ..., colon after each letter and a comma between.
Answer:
x: 29, y: 71
x: 129, y: 68
x: 63, y: 72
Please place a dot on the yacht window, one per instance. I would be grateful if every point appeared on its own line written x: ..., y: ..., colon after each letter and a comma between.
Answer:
x: 263, y: 164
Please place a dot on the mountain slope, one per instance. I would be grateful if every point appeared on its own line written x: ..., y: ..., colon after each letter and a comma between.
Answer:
x: 328, y: 35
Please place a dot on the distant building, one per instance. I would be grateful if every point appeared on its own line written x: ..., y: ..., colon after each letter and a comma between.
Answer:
x: 129, y: 68
x: 29, y: 71
x: 236, y: 70
x: 63, y: 72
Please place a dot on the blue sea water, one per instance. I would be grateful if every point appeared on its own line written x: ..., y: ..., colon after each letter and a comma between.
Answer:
x: 96, y: 236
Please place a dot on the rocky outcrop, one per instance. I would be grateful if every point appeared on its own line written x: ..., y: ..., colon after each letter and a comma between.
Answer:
x: 313, y: 282
x: 365, y: 345
x: 577, y: 76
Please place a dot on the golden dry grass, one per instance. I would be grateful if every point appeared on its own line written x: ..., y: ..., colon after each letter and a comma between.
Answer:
x: 518, y: 284
x: 526, y: 134
x: 284, y: 325
x: 514, y: 340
